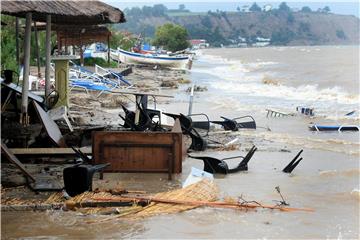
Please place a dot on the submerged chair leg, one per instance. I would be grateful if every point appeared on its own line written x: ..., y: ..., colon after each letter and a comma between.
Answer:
x: 292, y: 165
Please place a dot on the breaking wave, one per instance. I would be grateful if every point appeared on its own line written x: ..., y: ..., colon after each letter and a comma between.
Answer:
x: 241, y: 79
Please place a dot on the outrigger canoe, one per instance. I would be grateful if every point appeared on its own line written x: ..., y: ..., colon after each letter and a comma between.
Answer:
x: 177, y: 61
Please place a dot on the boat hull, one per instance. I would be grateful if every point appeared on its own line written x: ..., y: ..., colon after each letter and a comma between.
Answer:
x: 149, y: 59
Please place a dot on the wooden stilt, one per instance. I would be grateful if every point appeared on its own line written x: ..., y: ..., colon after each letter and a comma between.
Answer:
x: 17, y: 41
x: 25, y: 86
x: 47, y: 57
x: 37, y: 50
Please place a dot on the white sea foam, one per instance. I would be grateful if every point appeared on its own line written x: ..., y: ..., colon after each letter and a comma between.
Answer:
x: 241, y: 80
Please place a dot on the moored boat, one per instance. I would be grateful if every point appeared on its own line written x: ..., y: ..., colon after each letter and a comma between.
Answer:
x: 176, y: 61
x: 339, y: 128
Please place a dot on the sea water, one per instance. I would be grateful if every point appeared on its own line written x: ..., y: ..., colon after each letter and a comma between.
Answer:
x: 240, y: 82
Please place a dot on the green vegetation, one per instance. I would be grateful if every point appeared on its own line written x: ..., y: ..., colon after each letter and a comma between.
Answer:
x: 306, y: 9
x: 8, y: 45
x: 98, y: 61
x: 284, y: 7
x: 326, y: 9
x: 340, y: 34
x: 282, y: 37
x: 255, y: 8
x: 172, y: 37
x: 122, y: 40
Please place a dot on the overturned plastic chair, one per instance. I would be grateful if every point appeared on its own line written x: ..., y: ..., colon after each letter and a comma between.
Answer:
x: 78, y: 179
x: 214, y: 165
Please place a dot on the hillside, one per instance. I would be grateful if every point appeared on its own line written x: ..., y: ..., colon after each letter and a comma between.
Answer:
x: 284, y: 28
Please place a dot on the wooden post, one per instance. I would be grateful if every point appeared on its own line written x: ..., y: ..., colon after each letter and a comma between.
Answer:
x: 37, y: 50
x: 81, y: 56
x: 108, y: 43
x: 81, y: 52
x: 58, y: 42
x: 25, y: 86
x: 17, y: 41
x: 66, y: 44
x: 47, y: 57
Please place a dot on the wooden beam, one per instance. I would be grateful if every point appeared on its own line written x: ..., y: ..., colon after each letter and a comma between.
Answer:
x: 48, y: 151
x: 11, y: 157
x: 25, y: 86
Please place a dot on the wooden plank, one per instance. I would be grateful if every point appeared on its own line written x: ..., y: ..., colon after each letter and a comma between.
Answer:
x: 12, y: 158
x: 139, y: 151
x: 48, y: 151
x: 50, y: 126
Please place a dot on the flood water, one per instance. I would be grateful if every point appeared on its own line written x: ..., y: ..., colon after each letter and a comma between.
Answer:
x: 246, y: 82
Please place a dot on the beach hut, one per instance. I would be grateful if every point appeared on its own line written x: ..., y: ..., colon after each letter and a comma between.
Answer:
x: 79, y: 13
x: 74, y: 35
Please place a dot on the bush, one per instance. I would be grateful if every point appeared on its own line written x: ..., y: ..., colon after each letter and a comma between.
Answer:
x: 282, y: 37
x: 340, y: 34
x: 98, y: 61
x: 172, y: 37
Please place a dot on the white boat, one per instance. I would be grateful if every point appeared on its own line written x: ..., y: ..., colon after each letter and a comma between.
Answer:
x: 96, y: 50
x: 177, y: 61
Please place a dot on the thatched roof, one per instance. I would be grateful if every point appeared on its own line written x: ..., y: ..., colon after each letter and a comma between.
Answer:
x: 82, y: 36
x: 65, y: 12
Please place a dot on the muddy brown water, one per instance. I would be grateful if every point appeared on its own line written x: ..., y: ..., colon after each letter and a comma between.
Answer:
x: 327, y: 180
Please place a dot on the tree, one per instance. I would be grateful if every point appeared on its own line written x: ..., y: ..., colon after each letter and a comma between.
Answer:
x: 182, y: 7
x: 326, y: 9
x: 121, y: 40
x: 340, y: 34
x: 238, y: 9
x: 206, y: 21
x: 8, y: 49
x: 290, y: 18
x: 255, y: 8
x: 172, y: 37
x: 159, y: 10
x: 306, y: 9
x: 284, y: 7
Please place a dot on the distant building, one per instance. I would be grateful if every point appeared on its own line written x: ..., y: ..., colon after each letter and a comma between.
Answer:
x: 198, y: 43
x: 267, y: 7
x: 261, y: 42
x: 245, y: 8
x: 242, y: 42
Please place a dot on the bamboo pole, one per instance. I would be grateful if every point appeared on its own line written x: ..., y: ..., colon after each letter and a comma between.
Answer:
x: 17, y: 41
x: 206, y: 203
x: 25, y: 86
x: 47, y: 57
x: 37, y: 50
x: 31, y: 207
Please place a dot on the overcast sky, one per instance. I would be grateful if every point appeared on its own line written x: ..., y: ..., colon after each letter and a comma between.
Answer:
x: 339, y: 7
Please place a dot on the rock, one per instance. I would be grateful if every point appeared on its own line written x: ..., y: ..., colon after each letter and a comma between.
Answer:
x: 169, y: 84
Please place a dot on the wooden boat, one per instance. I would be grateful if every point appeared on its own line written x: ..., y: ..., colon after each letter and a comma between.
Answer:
x: 177, y: 61
x: 339, y: 128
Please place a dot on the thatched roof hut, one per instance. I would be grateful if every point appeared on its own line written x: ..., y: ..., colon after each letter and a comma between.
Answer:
x: 83, y: 36
x: 77, y: 34
x: 65, y: 12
